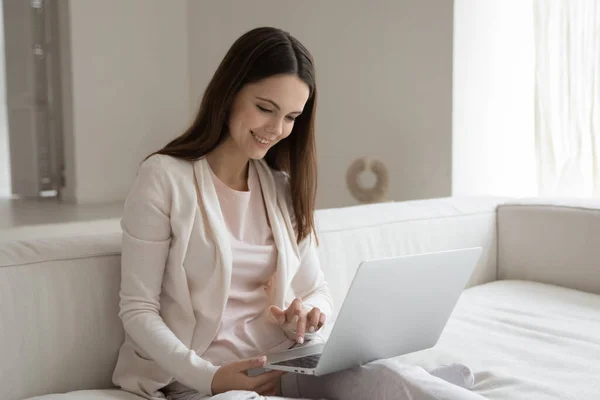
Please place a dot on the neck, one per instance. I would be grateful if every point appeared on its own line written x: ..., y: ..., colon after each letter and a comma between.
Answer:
x: 229, y: 167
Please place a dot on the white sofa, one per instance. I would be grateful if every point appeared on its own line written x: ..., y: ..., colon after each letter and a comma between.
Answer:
x: 528, y: 325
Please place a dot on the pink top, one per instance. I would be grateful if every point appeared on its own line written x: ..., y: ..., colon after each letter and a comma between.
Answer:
x: 245, y: 330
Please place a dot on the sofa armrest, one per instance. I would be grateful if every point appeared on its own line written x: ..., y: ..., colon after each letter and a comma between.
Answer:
x: 555, y: 241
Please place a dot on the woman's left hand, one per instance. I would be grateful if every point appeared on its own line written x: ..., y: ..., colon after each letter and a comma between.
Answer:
x: 310, y: 321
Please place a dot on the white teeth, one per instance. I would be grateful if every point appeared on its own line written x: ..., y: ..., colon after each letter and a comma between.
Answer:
x: 260, y: 140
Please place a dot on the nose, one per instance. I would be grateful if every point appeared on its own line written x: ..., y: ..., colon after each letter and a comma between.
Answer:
x: 275, y: 126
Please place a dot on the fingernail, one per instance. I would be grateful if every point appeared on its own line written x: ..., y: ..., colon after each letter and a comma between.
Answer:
x: 301, y: 340
x: 311, y: 329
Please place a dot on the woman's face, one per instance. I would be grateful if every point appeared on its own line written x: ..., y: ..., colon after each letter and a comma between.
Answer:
x: 263, y: 113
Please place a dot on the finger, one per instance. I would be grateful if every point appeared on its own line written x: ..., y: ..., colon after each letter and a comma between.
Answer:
x: 278, y: 313
x: 300, y: 327
x: 312, y: 320
x: 262, y: 379
x: 322, y: 319
x: 293, y: 309
x: 244, y: 365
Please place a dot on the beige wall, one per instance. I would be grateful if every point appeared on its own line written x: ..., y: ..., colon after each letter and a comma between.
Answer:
x: 385, y: 80
x: 129, y: 90
x: 139, y: 68
x: 5, y: 187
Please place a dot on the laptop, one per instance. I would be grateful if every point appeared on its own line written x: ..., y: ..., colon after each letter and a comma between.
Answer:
x: 394, y: 306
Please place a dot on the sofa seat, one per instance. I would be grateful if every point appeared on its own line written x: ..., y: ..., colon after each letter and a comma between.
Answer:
x: 524, y: 340
x: 109, y: 394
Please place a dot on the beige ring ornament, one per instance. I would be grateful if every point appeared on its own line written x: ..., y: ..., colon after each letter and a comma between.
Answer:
x: 375, y: 194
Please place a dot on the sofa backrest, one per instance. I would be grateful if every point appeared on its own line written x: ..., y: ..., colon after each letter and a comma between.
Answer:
x: 350, y: 235
x: 59, y: 325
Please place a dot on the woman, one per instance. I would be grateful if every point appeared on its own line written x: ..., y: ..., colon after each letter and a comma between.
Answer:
x: 219, y: 264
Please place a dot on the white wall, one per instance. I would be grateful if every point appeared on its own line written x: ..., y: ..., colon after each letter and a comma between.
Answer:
x: 5, y: 187
x: 493, y: 150
x: 128, y: 92
x: 385, y: 81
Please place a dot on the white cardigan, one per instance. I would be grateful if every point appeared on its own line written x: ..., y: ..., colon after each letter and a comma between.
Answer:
x: 176, y: 272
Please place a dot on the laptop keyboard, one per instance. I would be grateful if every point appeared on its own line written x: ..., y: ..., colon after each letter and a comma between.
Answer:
x: 301, y: 362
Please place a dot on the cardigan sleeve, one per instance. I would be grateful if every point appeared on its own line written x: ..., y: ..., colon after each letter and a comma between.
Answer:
x: 309, y: 282
x: 146, y: 239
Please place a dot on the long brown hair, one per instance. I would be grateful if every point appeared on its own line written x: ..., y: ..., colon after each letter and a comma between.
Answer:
x: 256, y: 55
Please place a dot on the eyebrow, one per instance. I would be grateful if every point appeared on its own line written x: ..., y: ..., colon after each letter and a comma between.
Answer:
x: 276, y: 105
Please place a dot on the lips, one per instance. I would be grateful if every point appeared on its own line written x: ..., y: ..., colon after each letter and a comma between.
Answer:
x: 260, y: 139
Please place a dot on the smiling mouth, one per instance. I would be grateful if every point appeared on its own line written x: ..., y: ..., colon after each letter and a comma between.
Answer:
x: 260, y: 139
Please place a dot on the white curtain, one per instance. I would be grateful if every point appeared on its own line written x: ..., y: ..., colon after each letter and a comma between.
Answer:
x: 567, y: 91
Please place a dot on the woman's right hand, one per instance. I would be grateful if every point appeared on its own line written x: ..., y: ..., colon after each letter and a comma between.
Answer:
x: 234, y: 376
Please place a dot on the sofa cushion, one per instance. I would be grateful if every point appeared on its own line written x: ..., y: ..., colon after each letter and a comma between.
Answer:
x: 524, y: 340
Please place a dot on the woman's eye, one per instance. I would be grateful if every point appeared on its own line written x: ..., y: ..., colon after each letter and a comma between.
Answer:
x: 263, y: 109
x: 290, y: 118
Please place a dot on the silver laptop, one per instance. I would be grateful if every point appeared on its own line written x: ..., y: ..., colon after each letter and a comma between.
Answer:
x: 394, y: 306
